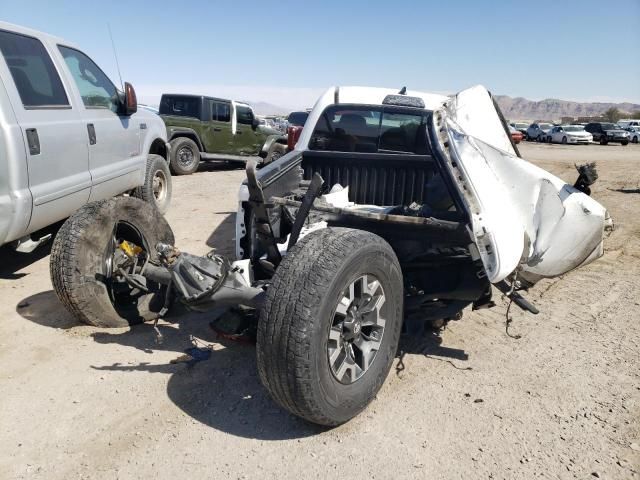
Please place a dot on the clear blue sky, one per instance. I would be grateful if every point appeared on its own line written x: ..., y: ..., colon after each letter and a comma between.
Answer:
x: 575, y: 50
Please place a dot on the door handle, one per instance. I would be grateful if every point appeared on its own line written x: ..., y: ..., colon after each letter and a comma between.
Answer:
x: 217, y: 129
x: 91, y: 130
x: 33, y: 141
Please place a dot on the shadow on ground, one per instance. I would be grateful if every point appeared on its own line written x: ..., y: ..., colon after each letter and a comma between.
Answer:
x: 224, y: 391
x: 222, y: 238
x: 219, y: 166
x: 627, y: 190
x: 11, y: 262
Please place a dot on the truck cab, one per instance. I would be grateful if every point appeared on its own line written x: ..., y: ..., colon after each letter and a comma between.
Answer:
x: 68, y: 136
x: 210, y: 128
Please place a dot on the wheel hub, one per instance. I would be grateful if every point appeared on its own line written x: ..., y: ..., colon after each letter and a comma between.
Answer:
x: 357, y: 329
x: 185, y: 156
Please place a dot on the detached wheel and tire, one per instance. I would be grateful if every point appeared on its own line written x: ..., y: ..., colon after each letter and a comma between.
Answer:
x: 329, y: 330
x: 84, y: 263
x: 185, y: 156
x: 157, y: 184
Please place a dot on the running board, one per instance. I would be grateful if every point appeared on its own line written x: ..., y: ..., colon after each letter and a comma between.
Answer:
x: 28, y: 244
x: 229, y: 158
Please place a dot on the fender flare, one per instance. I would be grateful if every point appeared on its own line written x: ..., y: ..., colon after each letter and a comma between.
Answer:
x: 175, y: 132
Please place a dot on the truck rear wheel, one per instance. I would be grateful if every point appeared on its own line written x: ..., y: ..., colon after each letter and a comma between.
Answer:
x: 185, y: 156
x: 84, y: 271
x: 329, y: 330
x: 157, y: 184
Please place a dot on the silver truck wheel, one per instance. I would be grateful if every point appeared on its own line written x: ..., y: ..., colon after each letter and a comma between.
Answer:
x: 329, y: 330
x: 357, y: 329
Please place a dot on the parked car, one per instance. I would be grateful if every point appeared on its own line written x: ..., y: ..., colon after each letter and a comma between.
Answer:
x: 296, y: 121
x: 634, y: 133
x: 628, y: 122
x: 516, y: 135
x: 208, y: 128
x: 569, y: 134
x: 538, y: 131
x: 607, y: 132
x: 521, y: 127
x: 395, y: 208
x: 68, y: 137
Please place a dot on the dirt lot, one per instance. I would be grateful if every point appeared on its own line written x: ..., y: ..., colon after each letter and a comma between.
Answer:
x: 561, y: 402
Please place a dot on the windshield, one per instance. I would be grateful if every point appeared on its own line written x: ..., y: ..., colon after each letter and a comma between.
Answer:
x: 520, y: 125
x: 573, y: 128
x: 545, y: 126
x: 609, y: 126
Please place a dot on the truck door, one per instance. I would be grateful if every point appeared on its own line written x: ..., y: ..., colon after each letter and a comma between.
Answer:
x: 246, y: 141
x: 54, y: 137
x: 115, y: 159
x: 217, y: 135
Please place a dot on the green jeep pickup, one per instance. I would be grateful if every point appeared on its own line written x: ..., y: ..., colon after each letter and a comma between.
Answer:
x: 207, y: 128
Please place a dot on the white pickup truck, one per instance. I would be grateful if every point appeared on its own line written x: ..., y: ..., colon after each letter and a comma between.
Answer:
x: 68, y: 137
x: 395, y: 208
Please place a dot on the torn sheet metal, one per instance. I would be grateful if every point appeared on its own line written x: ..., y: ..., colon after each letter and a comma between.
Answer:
x: 522, y: 216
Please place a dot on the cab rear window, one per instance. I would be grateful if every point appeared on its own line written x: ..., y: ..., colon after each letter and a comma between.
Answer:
x: 344, y: 128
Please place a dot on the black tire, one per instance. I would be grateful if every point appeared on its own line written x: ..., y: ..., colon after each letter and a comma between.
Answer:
x: 157, y: 184
x: 185, y: 156
x: 603, y: 140
x: 564, y: 140
x: 293, y: 330
x: 635, y: 139
x: 624, y: 143
x: 78, y: 265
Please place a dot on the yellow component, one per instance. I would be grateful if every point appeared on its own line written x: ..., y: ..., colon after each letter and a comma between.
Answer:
x: 130, y: 249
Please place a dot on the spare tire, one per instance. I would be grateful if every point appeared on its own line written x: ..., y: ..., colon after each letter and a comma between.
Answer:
x: 329, y: 330
x: 81, y: 263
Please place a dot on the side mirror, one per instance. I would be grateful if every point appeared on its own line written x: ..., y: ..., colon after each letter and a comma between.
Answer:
x: 254, y: 123
x: 130, y: 99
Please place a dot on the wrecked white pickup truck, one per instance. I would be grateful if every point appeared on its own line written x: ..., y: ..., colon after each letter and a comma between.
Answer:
x: 394, y: 208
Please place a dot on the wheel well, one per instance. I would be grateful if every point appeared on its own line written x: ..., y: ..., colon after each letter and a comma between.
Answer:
x: 192, y: 136
x: 158, y: 147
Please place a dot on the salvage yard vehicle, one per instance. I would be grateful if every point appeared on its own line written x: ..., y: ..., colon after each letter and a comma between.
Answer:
x: 607, y: 132
x: 207, y: 128
x: 394, y: 208
x: 68, y: 137
x: 569, y: 134
x: 538, y: 131
x: 634, y: 133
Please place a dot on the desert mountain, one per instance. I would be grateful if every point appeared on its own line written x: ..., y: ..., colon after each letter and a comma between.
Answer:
x: 553, y: 109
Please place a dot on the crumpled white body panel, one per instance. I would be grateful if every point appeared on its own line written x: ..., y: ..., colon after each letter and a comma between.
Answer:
x: 523, y: 217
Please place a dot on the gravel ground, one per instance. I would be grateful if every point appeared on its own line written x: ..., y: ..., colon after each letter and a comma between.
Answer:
x: 563, y: 401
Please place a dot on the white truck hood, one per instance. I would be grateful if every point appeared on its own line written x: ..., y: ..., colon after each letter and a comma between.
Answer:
x: 522, y: 217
